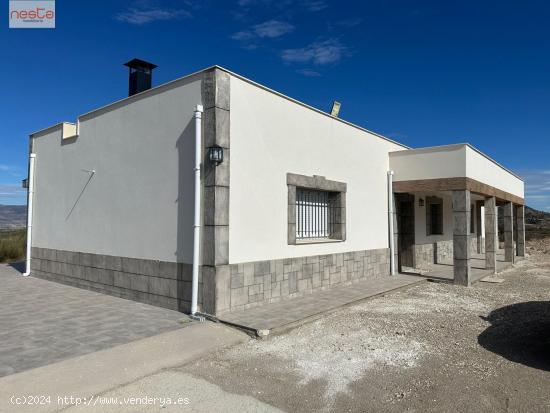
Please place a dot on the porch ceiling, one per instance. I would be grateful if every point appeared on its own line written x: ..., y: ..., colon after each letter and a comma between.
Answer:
x: 455, y: 184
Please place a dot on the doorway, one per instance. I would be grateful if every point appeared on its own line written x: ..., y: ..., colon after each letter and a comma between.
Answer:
x: 405, y: 229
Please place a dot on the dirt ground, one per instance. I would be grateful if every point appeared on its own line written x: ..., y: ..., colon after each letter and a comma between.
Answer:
x: 434, y: 347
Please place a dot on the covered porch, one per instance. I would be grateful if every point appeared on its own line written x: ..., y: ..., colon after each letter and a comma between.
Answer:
x: 445, y: 272
x: 446, y: 213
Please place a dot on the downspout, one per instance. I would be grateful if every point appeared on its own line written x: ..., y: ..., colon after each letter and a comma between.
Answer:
x: 197, y: 219
x: 390, y: 222
x: 32, y: 160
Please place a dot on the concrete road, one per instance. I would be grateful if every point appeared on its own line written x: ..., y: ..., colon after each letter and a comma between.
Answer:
x: 133, y: 370
x: 173, y: 391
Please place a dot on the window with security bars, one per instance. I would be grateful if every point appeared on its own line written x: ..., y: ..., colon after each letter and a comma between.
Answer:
x: 317, y: 214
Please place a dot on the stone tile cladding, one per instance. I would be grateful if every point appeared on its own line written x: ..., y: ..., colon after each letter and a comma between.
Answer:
x: 159, y: 283
x: 257, y: 283
x: 424, y: 253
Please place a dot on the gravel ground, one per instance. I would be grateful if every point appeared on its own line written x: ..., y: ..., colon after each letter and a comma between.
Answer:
x: 432, y: 347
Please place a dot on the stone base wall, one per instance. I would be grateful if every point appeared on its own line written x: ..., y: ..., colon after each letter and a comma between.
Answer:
x: 159, y: 283
x: 256, y: 283
x: 423, y: 254
x: 440, y: 252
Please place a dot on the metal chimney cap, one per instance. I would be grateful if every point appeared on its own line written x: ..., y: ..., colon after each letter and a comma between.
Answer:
x: 335, y: 108
x: 138, y: 63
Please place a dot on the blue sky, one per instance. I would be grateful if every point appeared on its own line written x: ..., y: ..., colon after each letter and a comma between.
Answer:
x: 422, y: 72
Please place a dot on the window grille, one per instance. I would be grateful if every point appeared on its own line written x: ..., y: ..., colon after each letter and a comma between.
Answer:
x: 316, y: 213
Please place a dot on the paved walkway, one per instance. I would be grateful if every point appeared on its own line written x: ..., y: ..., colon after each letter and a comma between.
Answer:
x: 477, y: 262
x: 119, y: 371
x: 42, y: 322
x: 281, y: 316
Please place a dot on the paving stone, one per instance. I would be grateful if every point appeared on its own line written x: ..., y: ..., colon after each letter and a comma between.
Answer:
x: 56, y: 321
x: 279, y: 312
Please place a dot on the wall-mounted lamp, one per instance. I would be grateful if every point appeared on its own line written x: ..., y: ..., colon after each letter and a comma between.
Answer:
x: 420, y: 202
x: 25, y: 183
x: 215, y: 155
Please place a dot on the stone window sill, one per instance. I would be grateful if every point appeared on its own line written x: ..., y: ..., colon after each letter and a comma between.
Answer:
x: 317, y: 241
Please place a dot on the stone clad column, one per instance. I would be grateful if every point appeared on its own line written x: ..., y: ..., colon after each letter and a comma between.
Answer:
x: 508, y: 232
x: 461, y: 245
x: 520, y: 221
x: 491, y: 232
x: 216, y: 287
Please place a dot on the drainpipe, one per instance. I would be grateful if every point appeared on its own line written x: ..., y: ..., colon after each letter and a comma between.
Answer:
x: 32, y: 159
x: 390, y: 222
x: 197, y: 220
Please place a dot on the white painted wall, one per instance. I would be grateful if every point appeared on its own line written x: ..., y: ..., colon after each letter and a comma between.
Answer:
x: 270, y: 136
x: 429, y: 163
x: 140, y: 201
x: 420, y: 218
x: 481, y: 169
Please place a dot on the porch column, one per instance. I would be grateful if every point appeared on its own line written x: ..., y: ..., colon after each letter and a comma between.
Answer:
x: 520, y: 221
x: 491, y: 234
x: 508, y: 210
x: 461, y: 250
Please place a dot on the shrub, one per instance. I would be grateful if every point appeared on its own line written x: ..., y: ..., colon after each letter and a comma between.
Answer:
x: 12, y: 245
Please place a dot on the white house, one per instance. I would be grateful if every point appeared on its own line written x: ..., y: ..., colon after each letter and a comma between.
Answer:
x: 291, y: 199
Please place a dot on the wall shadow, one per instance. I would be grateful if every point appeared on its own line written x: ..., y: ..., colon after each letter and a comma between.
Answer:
x: 185, y: 209
x: 520, y: 333
x: 18, y: 266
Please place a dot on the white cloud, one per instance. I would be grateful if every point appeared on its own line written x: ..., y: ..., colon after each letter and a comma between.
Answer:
x: 319, y: 53
x: 314, y: 5
x: 537, y: 187
x: 273, y: 28
x: 351, y: 22
x: 308, y: 72
x: 269, y: 29
x: 9, y: 191
x: 288, y: 5
x: 144, y: 16
x: 8, y: 168
x: 243, y: 36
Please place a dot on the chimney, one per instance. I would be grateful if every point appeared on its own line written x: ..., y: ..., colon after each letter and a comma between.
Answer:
x: 335, y: 111
x: 141, y: 73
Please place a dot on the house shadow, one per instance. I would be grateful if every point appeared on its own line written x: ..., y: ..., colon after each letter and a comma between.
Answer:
x: 185, y: 146
x: 520, y: 333
x: 18, y: 266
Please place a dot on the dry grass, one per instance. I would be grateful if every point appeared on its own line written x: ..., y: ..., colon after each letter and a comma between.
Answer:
x: 12, y: 245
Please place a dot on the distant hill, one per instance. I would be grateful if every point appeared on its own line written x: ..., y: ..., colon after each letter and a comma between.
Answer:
x: 533, y: 216
x: 537, y: 223
x: 13, y: 216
